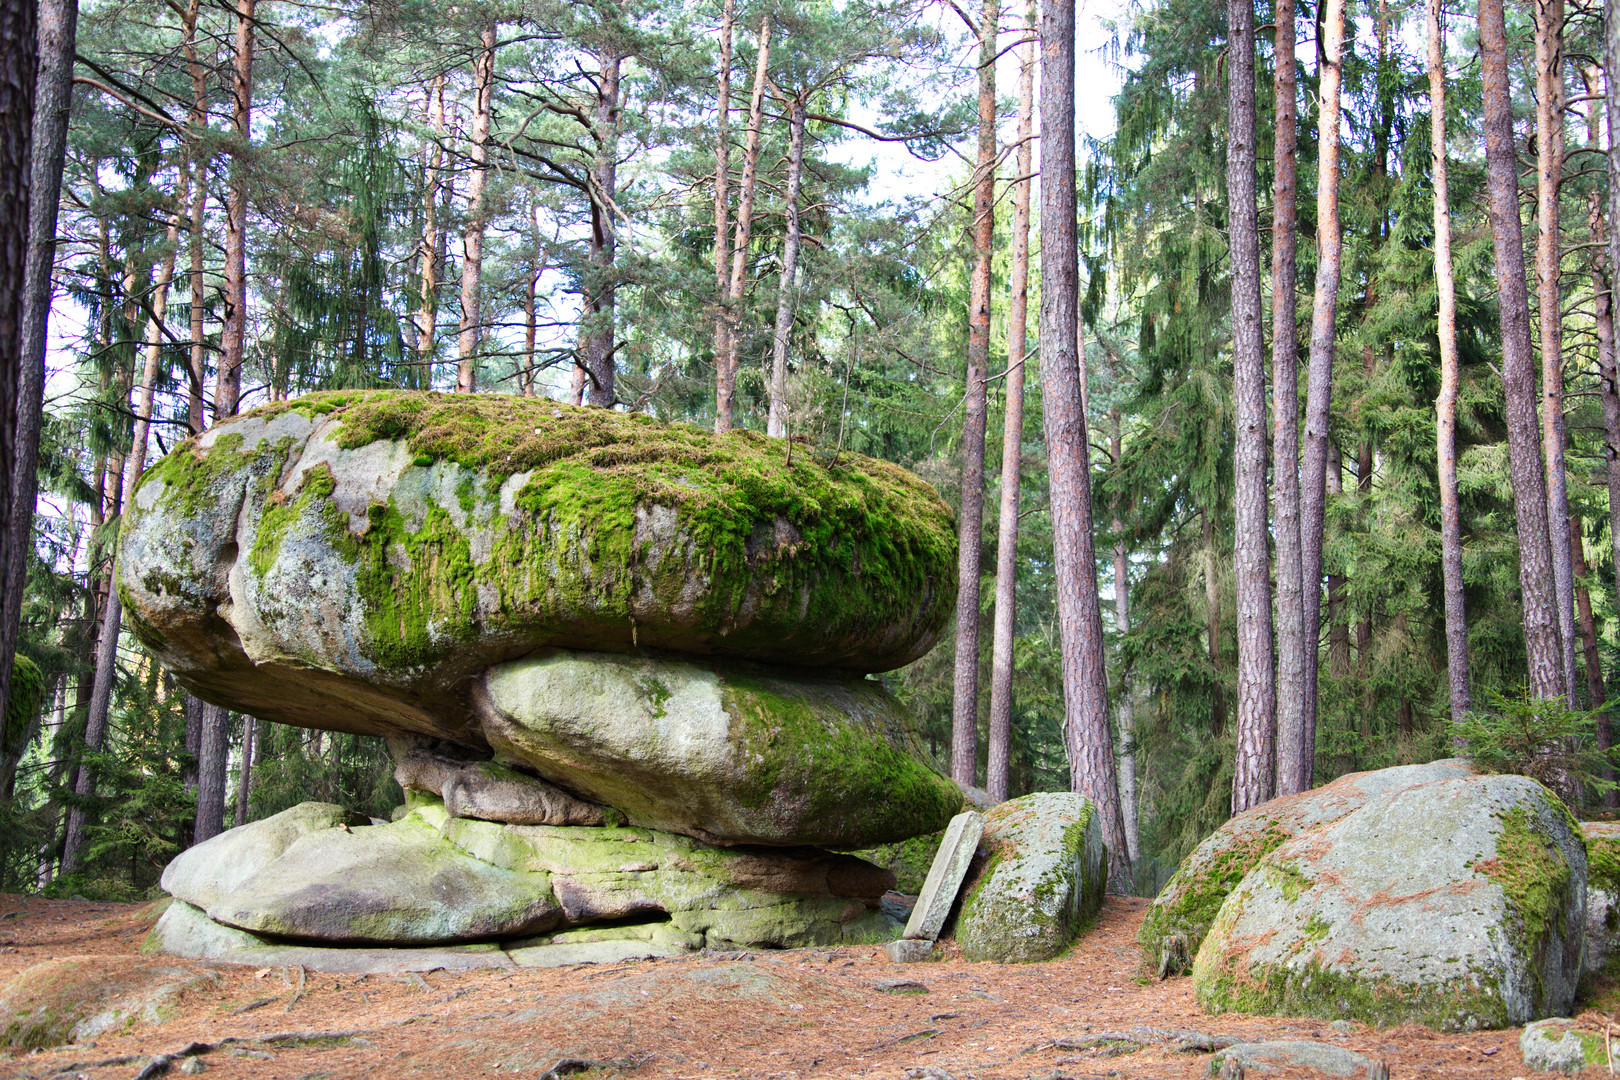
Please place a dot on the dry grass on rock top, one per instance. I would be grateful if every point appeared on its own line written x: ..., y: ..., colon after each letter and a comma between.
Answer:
x: 772, y: 1015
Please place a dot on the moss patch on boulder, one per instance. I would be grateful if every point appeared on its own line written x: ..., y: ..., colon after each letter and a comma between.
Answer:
x: 1044, y: 881
x: 1456, y: 904
x: 1184, y: 910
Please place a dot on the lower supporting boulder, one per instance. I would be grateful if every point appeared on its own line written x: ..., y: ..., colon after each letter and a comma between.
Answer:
x: 487, y: 894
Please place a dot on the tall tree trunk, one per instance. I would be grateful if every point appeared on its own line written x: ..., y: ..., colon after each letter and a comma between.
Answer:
x: 213, y: 752
x: 1537, y: 590
x: 1124, y: 706
x: 19, y: 64
x: 1324, y: 312
x: 427, y: 311
x: 244, y: 776
x: 470, y: 328
x: 1445, y: 406
x: 198, y: 161
x: 1294, y: 753
x: 777, y: 415
x: 107, y: 646
x: 725, y: 367
x: 1587, y: 622
x: 52, y: 94
x: 600, y: 342
x: 1089, y: 743
x: 970, y: 521
x: 1608, y: 378
x: 1549, y: 182
x: 999, y: 766
x: 1212, y: 621
x: 233, y: 338
x: 1255, y: 771
x: 722, y: 199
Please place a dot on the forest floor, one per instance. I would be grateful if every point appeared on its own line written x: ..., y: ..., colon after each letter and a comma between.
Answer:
x: 764, y: 1015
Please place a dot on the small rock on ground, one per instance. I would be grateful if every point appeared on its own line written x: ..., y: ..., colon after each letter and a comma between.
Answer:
x: 1560, y: 1046
x: 906, y: 951
x: 1291, y: 1055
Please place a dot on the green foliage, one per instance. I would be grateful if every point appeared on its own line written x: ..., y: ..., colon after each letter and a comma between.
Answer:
x: 1541, y: 738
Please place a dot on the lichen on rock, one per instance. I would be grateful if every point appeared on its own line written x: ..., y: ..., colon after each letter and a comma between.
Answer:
x: 724, y: 752
x: 1186, y: 907
x: 1456, y: 904
x: 350, y: 560
x: 1044, y: 880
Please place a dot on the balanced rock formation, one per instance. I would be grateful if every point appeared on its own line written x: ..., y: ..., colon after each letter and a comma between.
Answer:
x: 1181, y: 915
x: 1458, y: 904
x: 1045, y: 878
x: 638, y: 621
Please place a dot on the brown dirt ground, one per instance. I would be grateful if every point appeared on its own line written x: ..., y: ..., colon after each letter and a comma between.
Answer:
x: 773, y: 1016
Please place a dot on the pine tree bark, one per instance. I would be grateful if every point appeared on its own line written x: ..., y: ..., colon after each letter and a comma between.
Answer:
x: 975, y: 406
x: 601, y: 312
x: 427, y: 310
x: 244, y: 776
x: 18, y: 86
x: 1295, y: 739
x: 1212, y: 621
x: 1324, y: 313
x: 1549, y: 183
x: 1124, y: 705
x: 998, y: 767
x: 777, y: 416
x: 1445, y: 405
x: 1255, y: 770
x: 53, y: 100
x: 1087, y: 739
x: 1537, y: 590
x: 725, y: 367
x: 470, y: 326
x: 233, y: 331
x: 133, y: 464
x: 722, y: 197
x: 213, y: 752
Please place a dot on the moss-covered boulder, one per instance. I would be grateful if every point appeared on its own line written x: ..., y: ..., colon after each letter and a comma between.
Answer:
x: 351, y: 560
x: 723, y: 752
x: 1183, y: 911
x: 432, y: 878
x: 1602, y: 897
x: 204, y: 872
x: 1457, y: 904
x: 1565, y: 1046
x: 400, y: 883
x: 1044, y: 880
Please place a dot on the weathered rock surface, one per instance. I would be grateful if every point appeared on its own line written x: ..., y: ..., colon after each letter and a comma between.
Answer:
x: 430, y: 878
x: 183, y: 930
x: 1045, y: 878
x: 732, y: 896
x: 351, y: 560
x: 721, y: 752
x: 401, y: 883
x: 1602, y: 895
x: 1561, y: 1046
x: 205, y: 872
x: 371, y: 961
x: 1290, y: 1056
x: 1457, y: 904
x: 951, y: 862
x: 1181, y: 915
x: 77, y: 998
x: 491, y: 791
